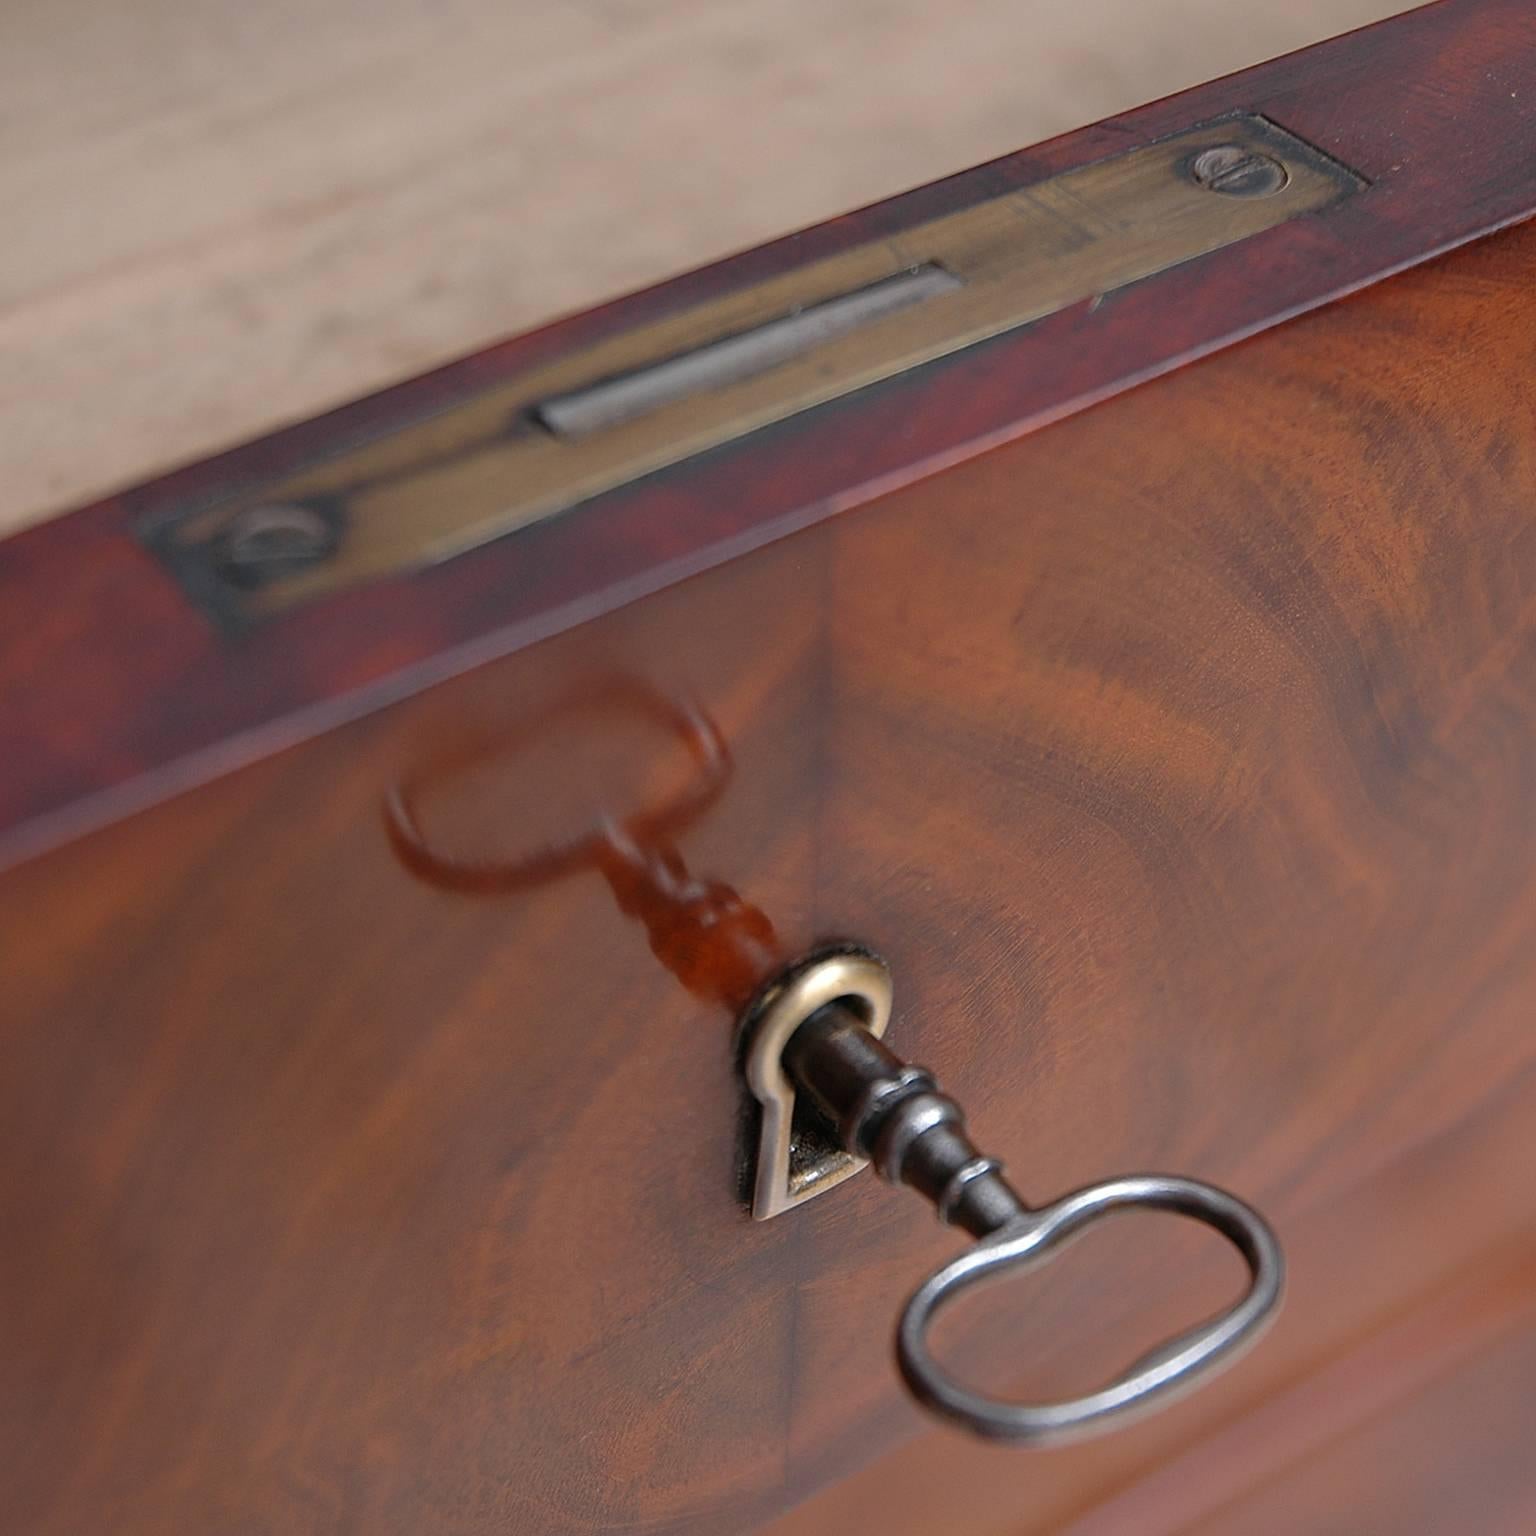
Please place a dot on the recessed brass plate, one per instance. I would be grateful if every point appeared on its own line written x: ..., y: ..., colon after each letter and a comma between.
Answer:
x: 652, y: 396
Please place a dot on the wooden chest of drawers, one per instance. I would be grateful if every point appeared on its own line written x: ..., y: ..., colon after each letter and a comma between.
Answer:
x: 376, y: 1146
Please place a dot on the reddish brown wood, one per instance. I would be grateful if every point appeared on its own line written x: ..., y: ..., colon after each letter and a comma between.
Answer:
x: 1454, y: 1458
x: 114, y: 692
x: 1182, y: 759
x: 1345, y: 1364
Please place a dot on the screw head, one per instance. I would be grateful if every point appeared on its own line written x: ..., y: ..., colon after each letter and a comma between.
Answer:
x: 265, y: 542
x: 1234, y: 171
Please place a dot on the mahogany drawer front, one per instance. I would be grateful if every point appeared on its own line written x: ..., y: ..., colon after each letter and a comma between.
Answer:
x: 1177, y: 753
x: 1189, y: 793
x: 1379, y: 1403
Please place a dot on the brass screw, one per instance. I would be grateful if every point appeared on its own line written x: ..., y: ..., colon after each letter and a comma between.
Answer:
x: 264, y: 542
x: 1238, y: 172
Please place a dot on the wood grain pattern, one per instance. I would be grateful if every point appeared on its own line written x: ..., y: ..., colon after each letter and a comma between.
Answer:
x: 1455, y: 1458
x: 1349, y: 1357
x: 230, y: 217
x: 1437, y: 109
x: 1182, y: 759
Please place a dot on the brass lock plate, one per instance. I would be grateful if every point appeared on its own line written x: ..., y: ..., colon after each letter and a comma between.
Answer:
x: 654, y: 395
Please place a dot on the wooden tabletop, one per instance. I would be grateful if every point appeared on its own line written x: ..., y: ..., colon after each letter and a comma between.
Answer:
x: 225, y: 217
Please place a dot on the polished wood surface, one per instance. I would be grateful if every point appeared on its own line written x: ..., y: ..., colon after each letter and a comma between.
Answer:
x: 1347, y: 1363
x: 115, y: 690
x: 1182, y: 759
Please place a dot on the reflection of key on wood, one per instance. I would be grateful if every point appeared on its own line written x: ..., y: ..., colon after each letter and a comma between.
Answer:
x: 718, y: 945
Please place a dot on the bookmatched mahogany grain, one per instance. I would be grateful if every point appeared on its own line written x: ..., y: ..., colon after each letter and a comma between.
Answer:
x: 1181, y: 758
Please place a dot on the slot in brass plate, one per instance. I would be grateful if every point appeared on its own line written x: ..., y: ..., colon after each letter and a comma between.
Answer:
x: 500, y: 461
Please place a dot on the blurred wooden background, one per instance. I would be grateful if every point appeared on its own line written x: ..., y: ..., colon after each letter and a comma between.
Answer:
x: 223, y: 216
